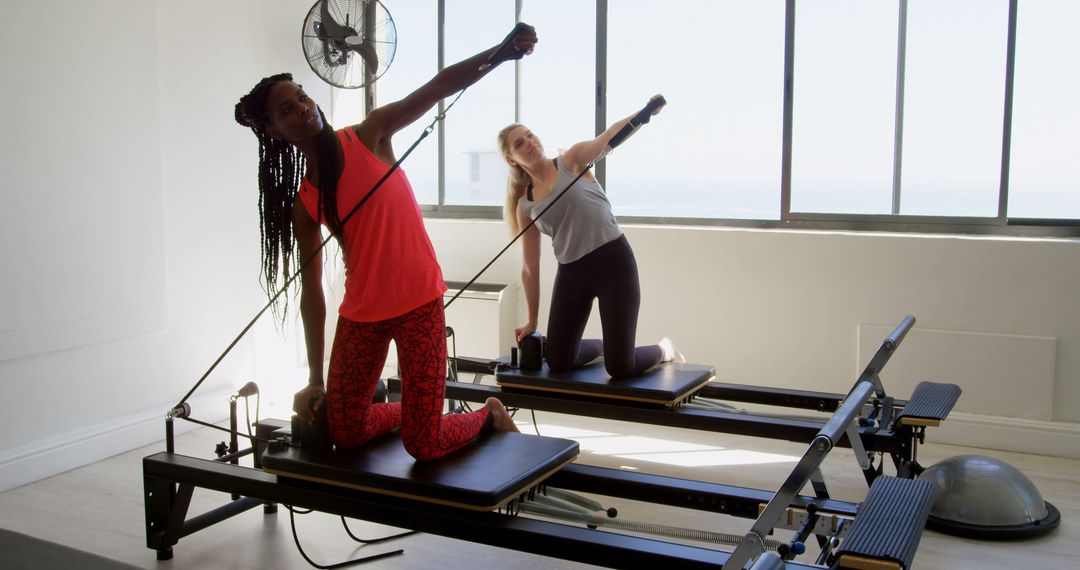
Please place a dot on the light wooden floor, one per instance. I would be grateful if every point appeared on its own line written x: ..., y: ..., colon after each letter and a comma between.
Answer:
x: 99, y: 508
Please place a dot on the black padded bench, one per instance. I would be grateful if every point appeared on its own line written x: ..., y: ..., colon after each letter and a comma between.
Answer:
x: 667, y: 384
x: 483, y: 476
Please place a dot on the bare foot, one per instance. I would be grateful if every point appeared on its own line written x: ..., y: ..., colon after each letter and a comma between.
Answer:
x: 502, y: 419
x: 671, y: 354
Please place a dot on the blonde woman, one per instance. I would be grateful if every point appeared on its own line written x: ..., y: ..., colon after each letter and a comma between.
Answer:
x: 594, y: 256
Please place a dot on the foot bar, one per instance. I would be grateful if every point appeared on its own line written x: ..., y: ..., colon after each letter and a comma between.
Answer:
x: 753, y: 545
x: 888, y: 525
x: 929, y: 404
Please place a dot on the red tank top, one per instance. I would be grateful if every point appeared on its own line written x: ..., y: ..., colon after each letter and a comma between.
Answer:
x: 390, y: 265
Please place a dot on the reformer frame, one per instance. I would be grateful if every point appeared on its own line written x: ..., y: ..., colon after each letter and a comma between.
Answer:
x: 170, y: 479
x: 166, y: 517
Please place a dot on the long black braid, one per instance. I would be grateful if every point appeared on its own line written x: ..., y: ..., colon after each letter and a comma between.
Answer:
x: 281, y: 167
x: 329, y: 174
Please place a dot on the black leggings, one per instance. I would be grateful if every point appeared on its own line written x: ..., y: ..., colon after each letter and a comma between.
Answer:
x: 608, y: 273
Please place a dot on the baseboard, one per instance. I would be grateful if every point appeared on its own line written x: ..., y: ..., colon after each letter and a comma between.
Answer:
x: 47, y: 457
x: 1056, y: 439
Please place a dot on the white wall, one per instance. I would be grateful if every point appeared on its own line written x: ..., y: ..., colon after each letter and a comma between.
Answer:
x: 785, y: 308
x: 130, y: 237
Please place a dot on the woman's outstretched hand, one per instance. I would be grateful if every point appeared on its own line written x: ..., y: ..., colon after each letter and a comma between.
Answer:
x: 521, y: 42
x: 656, y: 110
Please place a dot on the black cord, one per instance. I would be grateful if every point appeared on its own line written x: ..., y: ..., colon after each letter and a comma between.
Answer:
x: 226, y: 430
x: 536, y: 426
x: 296, y: 539
x: 348, y: 531
x: 427, y: 130
x: 318, y: 250
x: 521, y: 233
x: 641, y: 118
x: 285, y: 287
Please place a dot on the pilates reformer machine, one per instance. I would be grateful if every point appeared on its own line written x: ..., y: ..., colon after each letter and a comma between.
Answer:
x: 502, y: 489
x: 687, y: 396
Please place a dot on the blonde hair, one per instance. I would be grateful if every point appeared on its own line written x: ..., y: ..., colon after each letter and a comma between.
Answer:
x: 516, y: 183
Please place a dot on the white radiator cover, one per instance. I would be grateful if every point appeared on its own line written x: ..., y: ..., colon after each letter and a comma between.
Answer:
x: 483, y: 319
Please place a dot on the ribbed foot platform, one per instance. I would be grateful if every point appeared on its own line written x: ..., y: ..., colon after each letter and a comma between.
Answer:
x: 888, y: 525
x: 929, y: 404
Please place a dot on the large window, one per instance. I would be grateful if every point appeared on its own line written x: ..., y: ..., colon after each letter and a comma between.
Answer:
x: 953, y: 99
x: 919, y: 113
x: 844, y: 96
x: 1045, y: 166
x: 418, y: 39
x: 473, y: 26
x: 558, y: 100
x: 714, y: 150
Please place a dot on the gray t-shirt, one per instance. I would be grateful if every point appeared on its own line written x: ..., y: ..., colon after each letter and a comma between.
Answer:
x: 579, y: 222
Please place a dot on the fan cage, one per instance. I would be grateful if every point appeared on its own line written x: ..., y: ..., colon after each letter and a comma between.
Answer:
x: 333, y: 60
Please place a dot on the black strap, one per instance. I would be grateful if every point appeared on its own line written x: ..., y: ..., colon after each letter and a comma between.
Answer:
x: 318, y: 250
x: 521, y: 233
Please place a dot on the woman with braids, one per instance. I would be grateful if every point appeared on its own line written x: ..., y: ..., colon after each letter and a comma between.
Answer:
x: 595, y: 259
x: 393, y: 284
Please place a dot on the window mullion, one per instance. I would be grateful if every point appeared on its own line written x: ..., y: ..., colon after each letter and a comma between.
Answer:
x: 600, y: 171
x: 441, y: 62
x: 789, y: 102
x: 898, y: 132
x: 519, y: 8
x: 1006, y: 129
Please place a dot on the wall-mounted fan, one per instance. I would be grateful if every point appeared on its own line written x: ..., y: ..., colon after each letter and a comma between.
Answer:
x: 349, y: 43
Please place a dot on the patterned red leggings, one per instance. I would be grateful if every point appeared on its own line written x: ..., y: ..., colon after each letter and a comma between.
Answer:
x: 356, y: 362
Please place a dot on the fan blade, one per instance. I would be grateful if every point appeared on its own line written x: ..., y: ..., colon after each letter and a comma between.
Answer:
x: 334, y: 30
x: 367, y: 51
